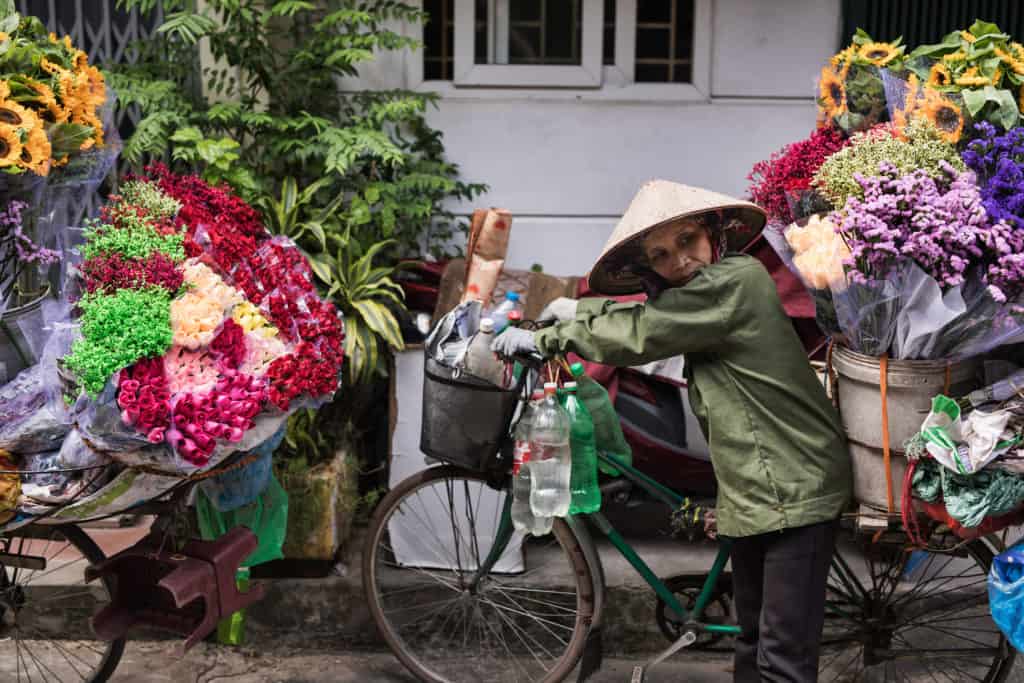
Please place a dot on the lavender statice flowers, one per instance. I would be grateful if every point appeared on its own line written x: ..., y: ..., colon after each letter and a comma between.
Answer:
x: 17, y: 249
x: 939, y: 223
x: 998, y: 161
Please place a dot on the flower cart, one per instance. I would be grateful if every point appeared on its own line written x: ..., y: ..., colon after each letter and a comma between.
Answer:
x: 902, y: 215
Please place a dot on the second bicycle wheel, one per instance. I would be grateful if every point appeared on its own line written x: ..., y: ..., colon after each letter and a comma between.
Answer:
x: 526, y: 620
x: 899, y: 614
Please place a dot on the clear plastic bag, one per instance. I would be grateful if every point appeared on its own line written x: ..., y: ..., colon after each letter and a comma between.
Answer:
x: 28, y: 421
x: 1006, y: 594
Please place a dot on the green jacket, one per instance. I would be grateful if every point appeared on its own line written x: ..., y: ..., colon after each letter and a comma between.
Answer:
x: 777, y: 446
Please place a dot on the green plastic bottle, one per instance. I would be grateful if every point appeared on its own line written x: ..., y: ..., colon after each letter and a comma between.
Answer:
x: 586, y: 494
x: 608, y: 435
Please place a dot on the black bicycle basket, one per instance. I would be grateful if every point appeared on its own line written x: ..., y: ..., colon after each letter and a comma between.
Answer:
x: 465, y: 418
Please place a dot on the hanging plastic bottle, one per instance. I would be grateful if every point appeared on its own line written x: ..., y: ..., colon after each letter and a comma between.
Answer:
x: 550, y: 457
x: 608, y: 436
x: 500, y: 314
x: 586, y: 494
x: 480, y: 360
x: 522, y: 515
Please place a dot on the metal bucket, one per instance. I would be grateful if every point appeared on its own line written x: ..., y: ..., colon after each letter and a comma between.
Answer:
x: 16, y: 351
x: 911, y: 384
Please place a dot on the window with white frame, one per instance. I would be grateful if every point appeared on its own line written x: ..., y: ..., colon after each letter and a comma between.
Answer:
x: 567, y: 43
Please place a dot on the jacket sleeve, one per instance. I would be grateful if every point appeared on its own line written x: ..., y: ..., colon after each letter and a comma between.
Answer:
x: 683, y: 319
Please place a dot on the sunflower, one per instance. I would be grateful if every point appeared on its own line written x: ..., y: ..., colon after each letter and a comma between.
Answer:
x: 971, y: 78
x: 967, y: 36
x: 80, y: 60
x: 939, y: 76
x: 52, y: 68
x: 57, y: 113
x: 957, y: 56
x: 944, y: 115
x: 843, y: 57
x: 35, y: 153
x: 1013, y: 57
x: 4, y: 37
x: 879, y: 54
x: 10, y: 146
x: 833, y: 93
x: 5, y: 90
x: 93, y: 86
x: 16, y: 115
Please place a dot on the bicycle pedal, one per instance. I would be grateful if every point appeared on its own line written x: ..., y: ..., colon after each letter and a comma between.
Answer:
x: 638, y: 675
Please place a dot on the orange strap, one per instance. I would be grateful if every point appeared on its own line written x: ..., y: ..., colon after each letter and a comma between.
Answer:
x: 887, y: 455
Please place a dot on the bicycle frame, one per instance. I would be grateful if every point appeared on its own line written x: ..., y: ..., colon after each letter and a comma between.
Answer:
x: 690, y: 617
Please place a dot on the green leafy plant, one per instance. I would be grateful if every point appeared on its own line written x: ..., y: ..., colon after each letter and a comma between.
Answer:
x: 366, y: 295
x: 264, y: 111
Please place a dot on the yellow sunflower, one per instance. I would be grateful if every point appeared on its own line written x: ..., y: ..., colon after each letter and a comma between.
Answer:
x: 16, y: 115
x: 842, y: 57
x: 971, y: 78
x: 967, y: 36
x: 4, y: 37
x: 5, y: 90
x: 57, y: 113
x: 93, y: 86
x: 939, y: 76
x: 10, y: 146
x: 957, y: 56
x: 833, y: 93
x: 879, y: 54
x: 1013, y: 57
x: 80, y: 60
x: 35, y: 152
x: 943, y: 114
x: 52, y: 68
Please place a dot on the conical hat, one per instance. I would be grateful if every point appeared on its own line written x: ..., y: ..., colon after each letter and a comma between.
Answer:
x: 658, y: 203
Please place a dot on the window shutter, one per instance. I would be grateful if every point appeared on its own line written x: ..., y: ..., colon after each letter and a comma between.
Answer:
x: 921, y: 22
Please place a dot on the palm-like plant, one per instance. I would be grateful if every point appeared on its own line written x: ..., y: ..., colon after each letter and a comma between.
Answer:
x: 365, y: 295
x: 287, y: 215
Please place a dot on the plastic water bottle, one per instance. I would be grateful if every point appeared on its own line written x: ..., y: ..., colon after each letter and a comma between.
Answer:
x: 522, y: 515
x: 550, y: 457
x: 500, y: 314
x: 586, y: 495
x: 480, y: 360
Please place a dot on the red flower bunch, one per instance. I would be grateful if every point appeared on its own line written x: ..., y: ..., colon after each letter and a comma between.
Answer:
x: 225, y: 412
x: 111, y: 272
x: 790, y: 170
x: 322, y: 328
x: 229, y: 345
x: 303, y: 372
x: 144, y: 398
x: 217, y: 221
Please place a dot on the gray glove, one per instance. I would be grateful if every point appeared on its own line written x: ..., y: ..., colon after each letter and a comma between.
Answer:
x: 561, y: 309
x: 512, y: 341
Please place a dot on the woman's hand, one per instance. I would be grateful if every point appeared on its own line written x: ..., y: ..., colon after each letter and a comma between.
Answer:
x: 561, y: 309
x: 514, y: 341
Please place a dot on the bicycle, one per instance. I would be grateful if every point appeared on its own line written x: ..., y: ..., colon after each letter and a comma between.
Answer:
x: 462, y: 614
x: 45, y: 603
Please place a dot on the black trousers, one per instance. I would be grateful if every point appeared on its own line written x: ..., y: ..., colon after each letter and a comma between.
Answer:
x: 779, y: 581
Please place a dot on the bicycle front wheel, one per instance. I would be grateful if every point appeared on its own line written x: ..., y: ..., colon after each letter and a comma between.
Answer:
x: 525, y: 620
x: 45, y: 609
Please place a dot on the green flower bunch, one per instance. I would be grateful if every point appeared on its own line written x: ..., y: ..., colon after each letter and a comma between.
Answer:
x: 134, y: 237
x: 146, y: 195
x: 117, y: 330
x: 922, y: 149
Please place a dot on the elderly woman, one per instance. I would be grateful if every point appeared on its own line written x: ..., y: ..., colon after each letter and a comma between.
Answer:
x: 777, y: 446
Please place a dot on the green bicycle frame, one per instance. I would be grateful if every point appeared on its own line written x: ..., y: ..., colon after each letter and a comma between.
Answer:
x: 670, y: 498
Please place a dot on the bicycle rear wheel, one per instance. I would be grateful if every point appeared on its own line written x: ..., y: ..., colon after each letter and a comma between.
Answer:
x: 424, y: 545
x: 898, y: 615
x: 45, y: 630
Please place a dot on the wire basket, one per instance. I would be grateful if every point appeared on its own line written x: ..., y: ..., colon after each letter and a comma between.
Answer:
x: 465, y: 419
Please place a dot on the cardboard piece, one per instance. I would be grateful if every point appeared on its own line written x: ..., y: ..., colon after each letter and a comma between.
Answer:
x: 536, y: 290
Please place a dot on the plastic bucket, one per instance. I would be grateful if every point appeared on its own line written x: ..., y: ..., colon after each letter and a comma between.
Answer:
x: 16, y: 352
x: 911, y: 384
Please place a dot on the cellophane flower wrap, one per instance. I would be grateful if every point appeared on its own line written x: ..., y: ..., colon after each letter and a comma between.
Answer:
x: 200, y: 331
x: 916, y: 246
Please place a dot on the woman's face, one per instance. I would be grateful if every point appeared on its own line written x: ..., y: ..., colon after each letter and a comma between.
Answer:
x: 678, y: 250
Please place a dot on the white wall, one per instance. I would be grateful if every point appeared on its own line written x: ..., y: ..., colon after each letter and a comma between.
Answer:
x: 567, y: 163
